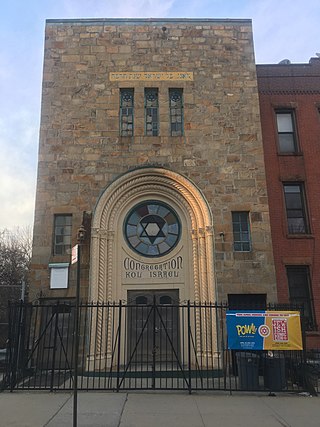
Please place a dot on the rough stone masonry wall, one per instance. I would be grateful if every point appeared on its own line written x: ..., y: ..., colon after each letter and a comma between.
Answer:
x: 81, y: 151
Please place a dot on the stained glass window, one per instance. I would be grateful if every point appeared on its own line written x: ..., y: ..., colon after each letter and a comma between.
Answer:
x: 151, y: 112
x: 152, y: 228
x: 176, y: 112
x: 126, y: 112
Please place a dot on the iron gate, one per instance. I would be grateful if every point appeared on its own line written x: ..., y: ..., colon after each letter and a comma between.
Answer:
x: 143, y: 344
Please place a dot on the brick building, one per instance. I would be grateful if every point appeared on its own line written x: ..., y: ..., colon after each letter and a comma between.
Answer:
x: 150, y: 137
x: 289, y: 105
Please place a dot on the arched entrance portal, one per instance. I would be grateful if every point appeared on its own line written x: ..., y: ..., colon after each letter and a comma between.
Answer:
x: 152, y: 233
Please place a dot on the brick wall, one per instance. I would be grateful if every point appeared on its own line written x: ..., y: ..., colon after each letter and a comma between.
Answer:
x: 297, y: 87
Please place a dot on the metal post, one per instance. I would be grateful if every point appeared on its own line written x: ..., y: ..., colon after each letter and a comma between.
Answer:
x: 119, y: 344
x: 23, y: 289
x: 76, y: 342
x: 154, y: 344
x: 189, y: 347
x: 17, y: 350
x: 54, y: 344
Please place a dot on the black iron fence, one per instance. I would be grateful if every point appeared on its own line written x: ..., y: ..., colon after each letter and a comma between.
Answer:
x: 143, y: 346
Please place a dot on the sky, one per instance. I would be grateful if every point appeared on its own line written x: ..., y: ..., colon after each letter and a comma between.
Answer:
x: 281, y: 29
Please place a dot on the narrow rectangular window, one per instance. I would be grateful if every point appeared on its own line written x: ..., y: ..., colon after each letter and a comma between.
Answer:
x: 295, y: 208
x: 176, y: 112
x: 241, y: 232
x: 62, y: 234
x: 287, y: 136
x: 300, y: 292
x: 126, y: 112
x: 151, y: 106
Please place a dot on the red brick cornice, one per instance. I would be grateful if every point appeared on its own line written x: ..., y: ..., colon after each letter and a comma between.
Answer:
x: 290, y: 92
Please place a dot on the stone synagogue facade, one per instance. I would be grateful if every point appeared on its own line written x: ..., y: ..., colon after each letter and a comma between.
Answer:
x: 150, y: 138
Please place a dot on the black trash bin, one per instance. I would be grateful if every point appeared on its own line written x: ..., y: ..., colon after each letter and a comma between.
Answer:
x: 248, y: 370
x: 275, y: 372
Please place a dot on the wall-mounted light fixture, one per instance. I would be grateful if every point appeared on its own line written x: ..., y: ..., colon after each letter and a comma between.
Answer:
x: 81, y: 234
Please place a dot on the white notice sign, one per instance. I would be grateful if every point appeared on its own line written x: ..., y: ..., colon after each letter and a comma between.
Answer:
x: 59, y: 277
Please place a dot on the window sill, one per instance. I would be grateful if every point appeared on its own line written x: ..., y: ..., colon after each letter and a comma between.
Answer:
x: 294, y: 154
x: 243, y: 255
x: 300, y: 236
x: 59, y: 258
x: 313, y: 333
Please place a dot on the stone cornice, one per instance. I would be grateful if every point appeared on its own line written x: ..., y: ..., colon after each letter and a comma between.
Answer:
x: 148, y: 21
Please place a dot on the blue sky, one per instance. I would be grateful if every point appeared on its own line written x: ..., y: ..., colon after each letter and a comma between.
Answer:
x: 282, y: 29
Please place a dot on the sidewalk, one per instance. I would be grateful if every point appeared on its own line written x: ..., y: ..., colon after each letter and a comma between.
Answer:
x: 161, y: 409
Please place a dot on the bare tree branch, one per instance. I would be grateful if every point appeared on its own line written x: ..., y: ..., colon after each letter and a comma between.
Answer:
x: 15, y: 255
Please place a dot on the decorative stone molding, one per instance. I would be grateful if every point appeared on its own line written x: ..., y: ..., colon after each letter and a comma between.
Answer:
x: 129, y: 188
x: 118, y: 198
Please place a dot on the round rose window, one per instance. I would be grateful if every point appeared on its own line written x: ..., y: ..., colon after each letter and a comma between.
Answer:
x: 152, y: 228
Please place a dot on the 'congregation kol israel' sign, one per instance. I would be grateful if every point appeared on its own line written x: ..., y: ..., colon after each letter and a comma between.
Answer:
x: 264, y: 330
x: 170, y: 270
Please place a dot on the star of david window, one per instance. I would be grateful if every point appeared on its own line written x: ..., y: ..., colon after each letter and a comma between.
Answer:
x: 152, y: 228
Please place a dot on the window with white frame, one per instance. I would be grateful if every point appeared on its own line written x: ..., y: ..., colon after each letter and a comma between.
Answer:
x: 287, y: 135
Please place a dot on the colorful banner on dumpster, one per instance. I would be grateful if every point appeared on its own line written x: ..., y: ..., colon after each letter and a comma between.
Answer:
x: 264, y: 330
